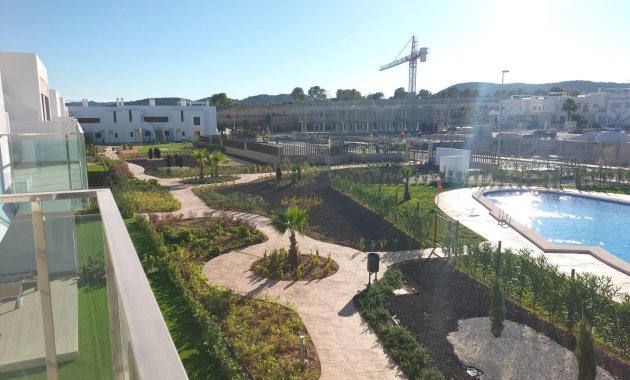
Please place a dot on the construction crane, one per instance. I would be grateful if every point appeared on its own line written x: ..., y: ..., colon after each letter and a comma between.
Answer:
x: 413, y: 62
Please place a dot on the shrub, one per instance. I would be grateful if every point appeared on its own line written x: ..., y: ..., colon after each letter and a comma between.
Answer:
x: 411, y: 357
x: 585, y: 352
x: 497, y: 309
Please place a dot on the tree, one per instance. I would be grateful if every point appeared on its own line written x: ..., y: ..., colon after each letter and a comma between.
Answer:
x: 215, y: 159
x: 585, y: 352
x: 157, y: 153
x: 221, y: 99
x: 569, y: 106
x: 497, y: 308
x: 298, y: 94
x: 317, y: 92
x: 294, y: 219
x: 150, y: 153
x: 169, y: 160
x: 556, y: 89
x: 424, y: 94
x: 375, y: 96
x: 202, y: 157
x: 406, y: 173
x: 399, y: 93
x: 348, y: 94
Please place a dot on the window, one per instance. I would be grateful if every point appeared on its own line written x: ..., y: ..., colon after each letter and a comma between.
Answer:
x: 130, y: 117
x: 156, y: 119
x: 147, y: 133
x: 114, y: 117
x: 196, y: 133
x: 97, y: 135
x: 536, y: 108
x: 196, y: 120
x: 89, y: 120
x: 115, y: 135
x: 167, y: 133
x: 183, y: 133
x: 130, y: 134
x: 181, y: 115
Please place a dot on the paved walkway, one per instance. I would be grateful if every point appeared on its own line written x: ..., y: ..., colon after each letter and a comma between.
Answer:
x: 346, y: 346
x: 460, y: 205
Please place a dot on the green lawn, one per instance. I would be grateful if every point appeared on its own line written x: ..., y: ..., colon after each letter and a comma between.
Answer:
x: 167, y: 148
x: 95, y: 355
x: 95, y: 168
x: 179, y: 320
x: 423, y: 196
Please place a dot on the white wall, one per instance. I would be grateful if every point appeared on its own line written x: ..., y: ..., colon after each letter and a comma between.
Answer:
x: 177, y: 129
x: 24, y: 78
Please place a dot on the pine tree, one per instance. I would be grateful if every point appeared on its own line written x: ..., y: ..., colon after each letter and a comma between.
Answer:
x: 497, y: 308
x: 150, y: 153
x: 585, y: 352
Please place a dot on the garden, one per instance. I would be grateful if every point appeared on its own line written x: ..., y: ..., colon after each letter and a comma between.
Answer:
x: 382, y: 204
x: 231, y: 336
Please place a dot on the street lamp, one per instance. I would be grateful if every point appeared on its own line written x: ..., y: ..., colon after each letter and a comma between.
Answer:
x: 500, y: 120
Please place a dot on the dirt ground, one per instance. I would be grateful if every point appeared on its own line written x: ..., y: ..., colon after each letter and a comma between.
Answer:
x: 338, y: 219
x: 445, y: 296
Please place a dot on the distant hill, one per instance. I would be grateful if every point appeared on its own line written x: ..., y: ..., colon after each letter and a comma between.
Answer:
x: 485, y: 88
x: 584, y: 86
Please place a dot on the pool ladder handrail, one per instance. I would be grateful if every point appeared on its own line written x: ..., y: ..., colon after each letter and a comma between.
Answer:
x: 504, y: 218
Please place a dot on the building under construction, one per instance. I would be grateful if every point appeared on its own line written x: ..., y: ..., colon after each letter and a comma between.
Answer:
x: 410, y: 116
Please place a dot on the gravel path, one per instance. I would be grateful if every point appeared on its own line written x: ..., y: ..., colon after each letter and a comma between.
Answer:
x: 520, y: 352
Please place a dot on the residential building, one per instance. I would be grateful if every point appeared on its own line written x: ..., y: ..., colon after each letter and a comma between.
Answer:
x: 74, y: 300
x: 121, y: 123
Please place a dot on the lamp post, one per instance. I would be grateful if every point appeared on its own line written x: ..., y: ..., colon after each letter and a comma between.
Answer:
x: 500, y: 120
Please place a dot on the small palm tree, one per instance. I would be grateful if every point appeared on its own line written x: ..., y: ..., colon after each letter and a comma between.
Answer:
x: 406, y: 173
x: 202, y: 157
x: 216, y: 158
x: 294, y: 219
x: 569, y: 106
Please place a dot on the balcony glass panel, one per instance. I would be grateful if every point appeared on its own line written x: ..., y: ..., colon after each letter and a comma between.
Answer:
x: 78, y: 294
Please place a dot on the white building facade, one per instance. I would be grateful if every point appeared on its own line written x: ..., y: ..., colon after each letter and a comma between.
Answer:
x: 187, y: 121
x: 35, y: 130
x: 598, y: 109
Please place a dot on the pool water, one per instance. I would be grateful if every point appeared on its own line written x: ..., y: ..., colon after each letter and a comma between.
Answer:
x: 570, y: 219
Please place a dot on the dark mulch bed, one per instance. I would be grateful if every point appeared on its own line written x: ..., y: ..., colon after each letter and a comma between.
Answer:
x: 338, y: 219
x: 445, y: 296
x: 161, y: 162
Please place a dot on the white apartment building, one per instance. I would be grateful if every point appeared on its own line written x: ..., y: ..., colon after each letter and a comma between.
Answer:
x: 37, y: 136
x: 123, y: 123
x: 597, y: 109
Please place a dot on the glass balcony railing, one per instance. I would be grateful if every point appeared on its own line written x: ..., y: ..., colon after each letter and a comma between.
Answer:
x: 74, y: 300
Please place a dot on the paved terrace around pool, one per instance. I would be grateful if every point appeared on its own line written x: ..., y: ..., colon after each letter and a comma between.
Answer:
x: 460, y: 205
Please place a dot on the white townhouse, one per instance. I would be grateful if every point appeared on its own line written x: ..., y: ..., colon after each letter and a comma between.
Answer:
x: 37, y: 137
x: 123, y: 123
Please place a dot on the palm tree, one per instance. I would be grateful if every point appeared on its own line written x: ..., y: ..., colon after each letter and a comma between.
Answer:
x: 406, y: 172
x: 294, y: 219
x: 569, y: 107
x: 216, y: 158
x: 202, y: 157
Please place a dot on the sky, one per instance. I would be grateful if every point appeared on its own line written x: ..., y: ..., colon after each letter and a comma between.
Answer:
x: 101, y: 50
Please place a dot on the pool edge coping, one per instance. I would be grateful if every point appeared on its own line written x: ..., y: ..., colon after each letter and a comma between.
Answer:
x: 541, y: 242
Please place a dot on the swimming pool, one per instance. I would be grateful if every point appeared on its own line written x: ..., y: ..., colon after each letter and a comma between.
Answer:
x: 565, y: 219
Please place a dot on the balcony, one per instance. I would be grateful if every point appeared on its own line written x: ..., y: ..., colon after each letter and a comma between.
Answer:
x: 74, y: 299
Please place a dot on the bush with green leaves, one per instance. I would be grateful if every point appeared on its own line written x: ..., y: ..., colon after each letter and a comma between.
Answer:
x: 585, y: 352
x: 412, y: 358
x: 544, y: 289
x: 233, y: 201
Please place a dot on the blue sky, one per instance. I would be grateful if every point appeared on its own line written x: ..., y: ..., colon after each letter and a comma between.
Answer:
x: 192, y: 49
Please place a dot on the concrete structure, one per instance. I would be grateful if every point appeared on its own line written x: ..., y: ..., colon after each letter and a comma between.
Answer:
x: 598, y: 109
x: 138, y: 124
x: 454, y: 163
x: 42, y: 183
